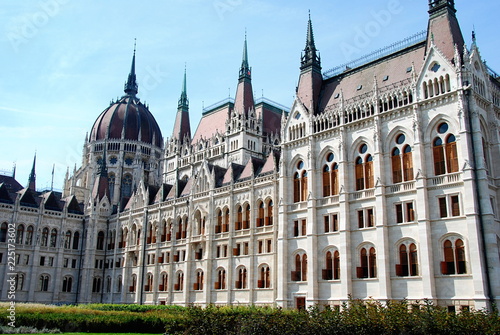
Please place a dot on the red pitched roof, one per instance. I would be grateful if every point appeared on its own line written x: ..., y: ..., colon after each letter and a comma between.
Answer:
x: 11, y: 183
x: 445, y: 31
x: 187, y: 188
x: 182, y: 126
x: 244, y: 97
x: 271, y: 118
x: 269, y: 165
x: 361, y: 81
x: 211, y: 123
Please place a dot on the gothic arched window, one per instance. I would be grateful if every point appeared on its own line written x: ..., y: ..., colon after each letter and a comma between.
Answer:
x: 364, y: 169
x: 127, y: 186
x: 444, y: 151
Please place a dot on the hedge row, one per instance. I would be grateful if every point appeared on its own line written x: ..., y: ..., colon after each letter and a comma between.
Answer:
x: 84, y: 319
x: 355, y: 317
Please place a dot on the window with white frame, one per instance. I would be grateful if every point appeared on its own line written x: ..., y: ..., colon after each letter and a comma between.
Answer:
x: 366, y: 218
x: 405, y: 212
x: 331, y: 223
x: 449, y: 206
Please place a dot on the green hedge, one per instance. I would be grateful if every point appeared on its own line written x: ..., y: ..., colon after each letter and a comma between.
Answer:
x: 355, y: 317
x: 90, y: 319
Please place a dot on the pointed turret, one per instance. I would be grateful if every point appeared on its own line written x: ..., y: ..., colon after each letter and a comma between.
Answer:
x: 245, y: 70
x: 443, y: 30
x: 131, y: 87
x: 182, y: 126
x: 311, y: 79
x: 32, y: 177
x: 103, y: 169
x: 244, y: 93
x: 183, y: 101
x: 101, y: 185
x: 310, y: 58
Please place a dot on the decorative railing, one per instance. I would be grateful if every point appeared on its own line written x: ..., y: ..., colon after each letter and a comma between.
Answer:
x: 402, y: 187
x: 445, y: 179
x: 398, y: 46
x: 363, y: 194
x: 218, y: 104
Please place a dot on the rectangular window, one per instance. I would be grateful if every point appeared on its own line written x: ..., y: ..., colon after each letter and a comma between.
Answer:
x: 18, y: 258
x: 366, y: 218
x: 42, y: 260
x: 405, y: 212
x: 335, y: 219
x: 327, y: 223
x: 361, y: 219
x: 455, y: 206
x: 237, y: 250
x: 295, y: 228
x: 66, y: 262
x: 245, y: 248
x: 269, y: 245
x: 442, y: 208
x: 304, y: 227
x: 217, y: 252
x: 370, y: 218
x: 331, y: 223
x: 26, y: 259
x: 410, y: 212
x: 73, y: 263
x: 224, y: 249
x: 399, y: 213
x: 260, y: 246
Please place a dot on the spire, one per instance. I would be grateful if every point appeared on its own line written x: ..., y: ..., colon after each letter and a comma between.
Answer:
x: 245, y: 70
x: 131, y: 87
x: 32, y: 177
x: 310, y: 58
x: 244, y: 92
x: 311, y: 79
x: 183, y: 101
x: 182, y: 126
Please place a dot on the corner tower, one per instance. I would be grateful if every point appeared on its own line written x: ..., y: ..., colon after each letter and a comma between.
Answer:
x: 244, y: 101
x: 443, y: 29
x: 311, y: 79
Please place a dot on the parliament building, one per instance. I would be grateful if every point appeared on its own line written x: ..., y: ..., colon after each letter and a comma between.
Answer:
x: 379, y: 182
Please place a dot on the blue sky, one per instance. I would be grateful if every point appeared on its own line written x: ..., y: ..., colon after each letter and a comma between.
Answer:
x: 64, y: 60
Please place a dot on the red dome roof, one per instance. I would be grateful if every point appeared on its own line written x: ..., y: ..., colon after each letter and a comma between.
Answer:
x: 127, y: 119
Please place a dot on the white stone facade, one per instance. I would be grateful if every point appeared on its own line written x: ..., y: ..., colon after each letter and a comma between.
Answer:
x: 409, y: 209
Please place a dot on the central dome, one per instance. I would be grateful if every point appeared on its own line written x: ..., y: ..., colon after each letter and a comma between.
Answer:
x: 127, y: 119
